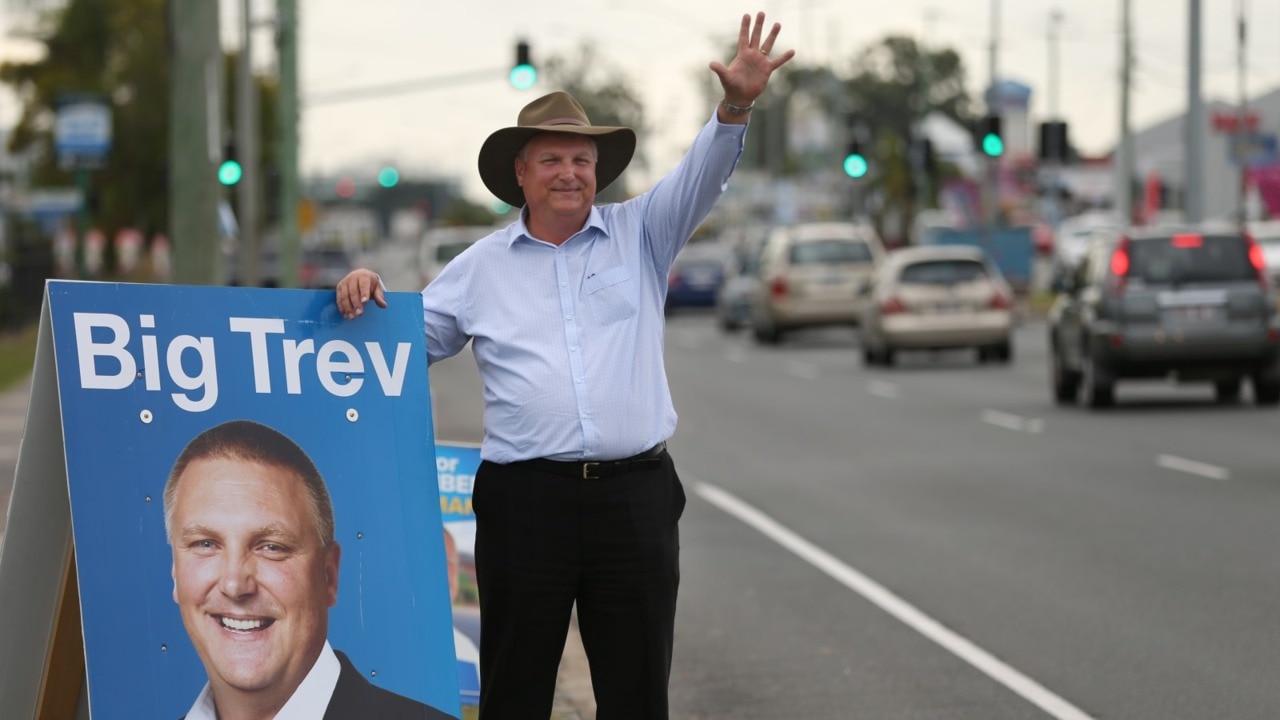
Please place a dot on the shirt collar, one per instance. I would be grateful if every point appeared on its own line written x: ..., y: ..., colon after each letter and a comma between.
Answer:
x: 307, y: 702
x: 519, y: 230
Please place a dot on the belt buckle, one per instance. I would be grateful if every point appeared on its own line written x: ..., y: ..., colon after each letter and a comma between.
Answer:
x: 586, y: 471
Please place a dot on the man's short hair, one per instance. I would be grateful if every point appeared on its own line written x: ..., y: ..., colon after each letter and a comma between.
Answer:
x: 254, y: 442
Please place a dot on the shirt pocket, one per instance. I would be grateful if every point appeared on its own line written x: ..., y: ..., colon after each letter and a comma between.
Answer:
x: 611, y: 295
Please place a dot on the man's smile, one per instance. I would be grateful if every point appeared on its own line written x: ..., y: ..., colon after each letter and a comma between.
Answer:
x: 242, y: 625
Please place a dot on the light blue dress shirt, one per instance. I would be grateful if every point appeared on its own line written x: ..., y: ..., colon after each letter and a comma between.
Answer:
x: 569, y: 338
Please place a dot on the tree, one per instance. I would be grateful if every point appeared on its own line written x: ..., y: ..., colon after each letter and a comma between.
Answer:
x: 894, y: 84
x: 606, y: 94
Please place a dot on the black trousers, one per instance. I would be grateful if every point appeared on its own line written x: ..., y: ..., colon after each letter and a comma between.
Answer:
x: 545, y: 541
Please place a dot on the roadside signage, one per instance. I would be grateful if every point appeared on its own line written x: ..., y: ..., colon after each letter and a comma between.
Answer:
x: 82, y: 132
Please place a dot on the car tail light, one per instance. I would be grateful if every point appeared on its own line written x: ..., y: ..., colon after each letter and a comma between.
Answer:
x: 673, y: 279
x: 778, y: 287
x: 1120, y: 265
x: 1257, y: 259
x: 999, y: 301
x: 1187, y: 241
x: 892, y: 306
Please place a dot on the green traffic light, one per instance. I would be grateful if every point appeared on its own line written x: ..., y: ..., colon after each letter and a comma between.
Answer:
x: 230, y: 172
x: 992, y: 145
x: 523, y: 76
x: 855, y: 166
x: 388, y: 177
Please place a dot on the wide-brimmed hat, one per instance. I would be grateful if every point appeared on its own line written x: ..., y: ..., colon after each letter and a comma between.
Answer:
x: 556, y: 112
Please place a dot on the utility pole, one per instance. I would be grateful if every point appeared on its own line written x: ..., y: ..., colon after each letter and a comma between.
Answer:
x: 195, y: 140
x: 1055, y: 21
x: 247, y: 149
x: 1242, y: 126
x: 287, y: 49
x: 1124, y: 153
x: 1197, y: 122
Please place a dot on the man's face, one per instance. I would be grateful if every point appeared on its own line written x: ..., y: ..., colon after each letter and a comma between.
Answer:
x: 558, y: 173
x: 252, y: 579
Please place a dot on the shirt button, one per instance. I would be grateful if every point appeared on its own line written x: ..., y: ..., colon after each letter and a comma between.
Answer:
x: 568, y: 317
x: 579, y: 381
x: 564, y: 284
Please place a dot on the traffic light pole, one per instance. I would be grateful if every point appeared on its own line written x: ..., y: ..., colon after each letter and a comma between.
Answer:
x: 287, y: 38
x: 247, y: 148
x: 194, y: 142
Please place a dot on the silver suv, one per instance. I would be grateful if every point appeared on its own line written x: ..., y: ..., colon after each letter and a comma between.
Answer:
x: 1188, y: 304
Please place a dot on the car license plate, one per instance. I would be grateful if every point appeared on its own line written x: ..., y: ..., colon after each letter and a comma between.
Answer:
x: 948, y: 307
x: 1194, y: 314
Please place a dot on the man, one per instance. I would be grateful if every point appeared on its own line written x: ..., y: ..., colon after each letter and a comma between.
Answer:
x: 255, y: 571
x: 576, y: 498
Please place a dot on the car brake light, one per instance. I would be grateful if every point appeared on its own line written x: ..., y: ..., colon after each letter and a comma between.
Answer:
x: 1257, y: 259
x: 1187, y: 241
x: 1120, y: 265
x: 892, y: 306
x: 778, y: 287
x: 999, y: 301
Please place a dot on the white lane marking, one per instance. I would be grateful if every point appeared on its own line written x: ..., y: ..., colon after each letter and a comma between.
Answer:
x: 884, y: 389
x: 735, y: 353
x: 883, y: 598
x: 1173, y: 462
x: 802, y: 370
x: 1009, y: 421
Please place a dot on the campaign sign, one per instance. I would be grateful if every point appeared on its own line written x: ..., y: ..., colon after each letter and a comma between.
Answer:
x: 145, y: 369
x: 456, y: 465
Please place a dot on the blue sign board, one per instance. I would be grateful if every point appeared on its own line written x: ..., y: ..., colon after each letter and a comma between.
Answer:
x: 144, y: 369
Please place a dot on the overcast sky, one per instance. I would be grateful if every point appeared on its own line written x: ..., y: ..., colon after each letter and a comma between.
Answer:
x: 664, y: 46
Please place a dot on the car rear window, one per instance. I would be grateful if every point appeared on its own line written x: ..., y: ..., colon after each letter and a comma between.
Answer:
x: 1190, y: 258
x: 943, y: 272
x: 815, y: 252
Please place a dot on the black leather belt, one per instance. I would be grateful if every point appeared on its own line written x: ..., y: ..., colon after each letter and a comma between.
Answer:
x: 599, y: 469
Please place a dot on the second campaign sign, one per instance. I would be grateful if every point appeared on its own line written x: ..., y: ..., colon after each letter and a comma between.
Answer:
x: 202, y: 574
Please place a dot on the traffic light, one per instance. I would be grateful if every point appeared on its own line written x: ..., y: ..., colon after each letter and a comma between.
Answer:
x: 388, y: 177
x: 523, y: 73
x: 229, y: 172
x: 1053, y: 141
x: 855, y: 163
x: 989, y: 137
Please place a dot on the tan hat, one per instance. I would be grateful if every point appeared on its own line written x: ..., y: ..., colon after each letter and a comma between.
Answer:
x: 556, y: 112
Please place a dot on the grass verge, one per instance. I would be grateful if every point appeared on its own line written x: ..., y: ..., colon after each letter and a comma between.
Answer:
x: 17, y: 354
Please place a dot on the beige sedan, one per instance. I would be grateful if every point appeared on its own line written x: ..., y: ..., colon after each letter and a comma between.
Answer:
x: 812, y: 274
x: 937, y: 297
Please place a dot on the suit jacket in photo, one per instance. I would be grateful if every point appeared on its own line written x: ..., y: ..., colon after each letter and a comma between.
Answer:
x: 355, y: 698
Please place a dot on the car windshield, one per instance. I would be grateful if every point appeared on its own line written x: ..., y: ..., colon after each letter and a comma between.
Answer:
x: 943, y: 272
x: 816, y: 252
x: 1190, y: 258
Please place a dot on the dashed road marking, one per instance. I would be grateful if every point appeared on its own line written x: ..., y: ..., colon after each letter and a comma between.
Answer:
x: 1173, y: 462
x: 1009, y: 421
